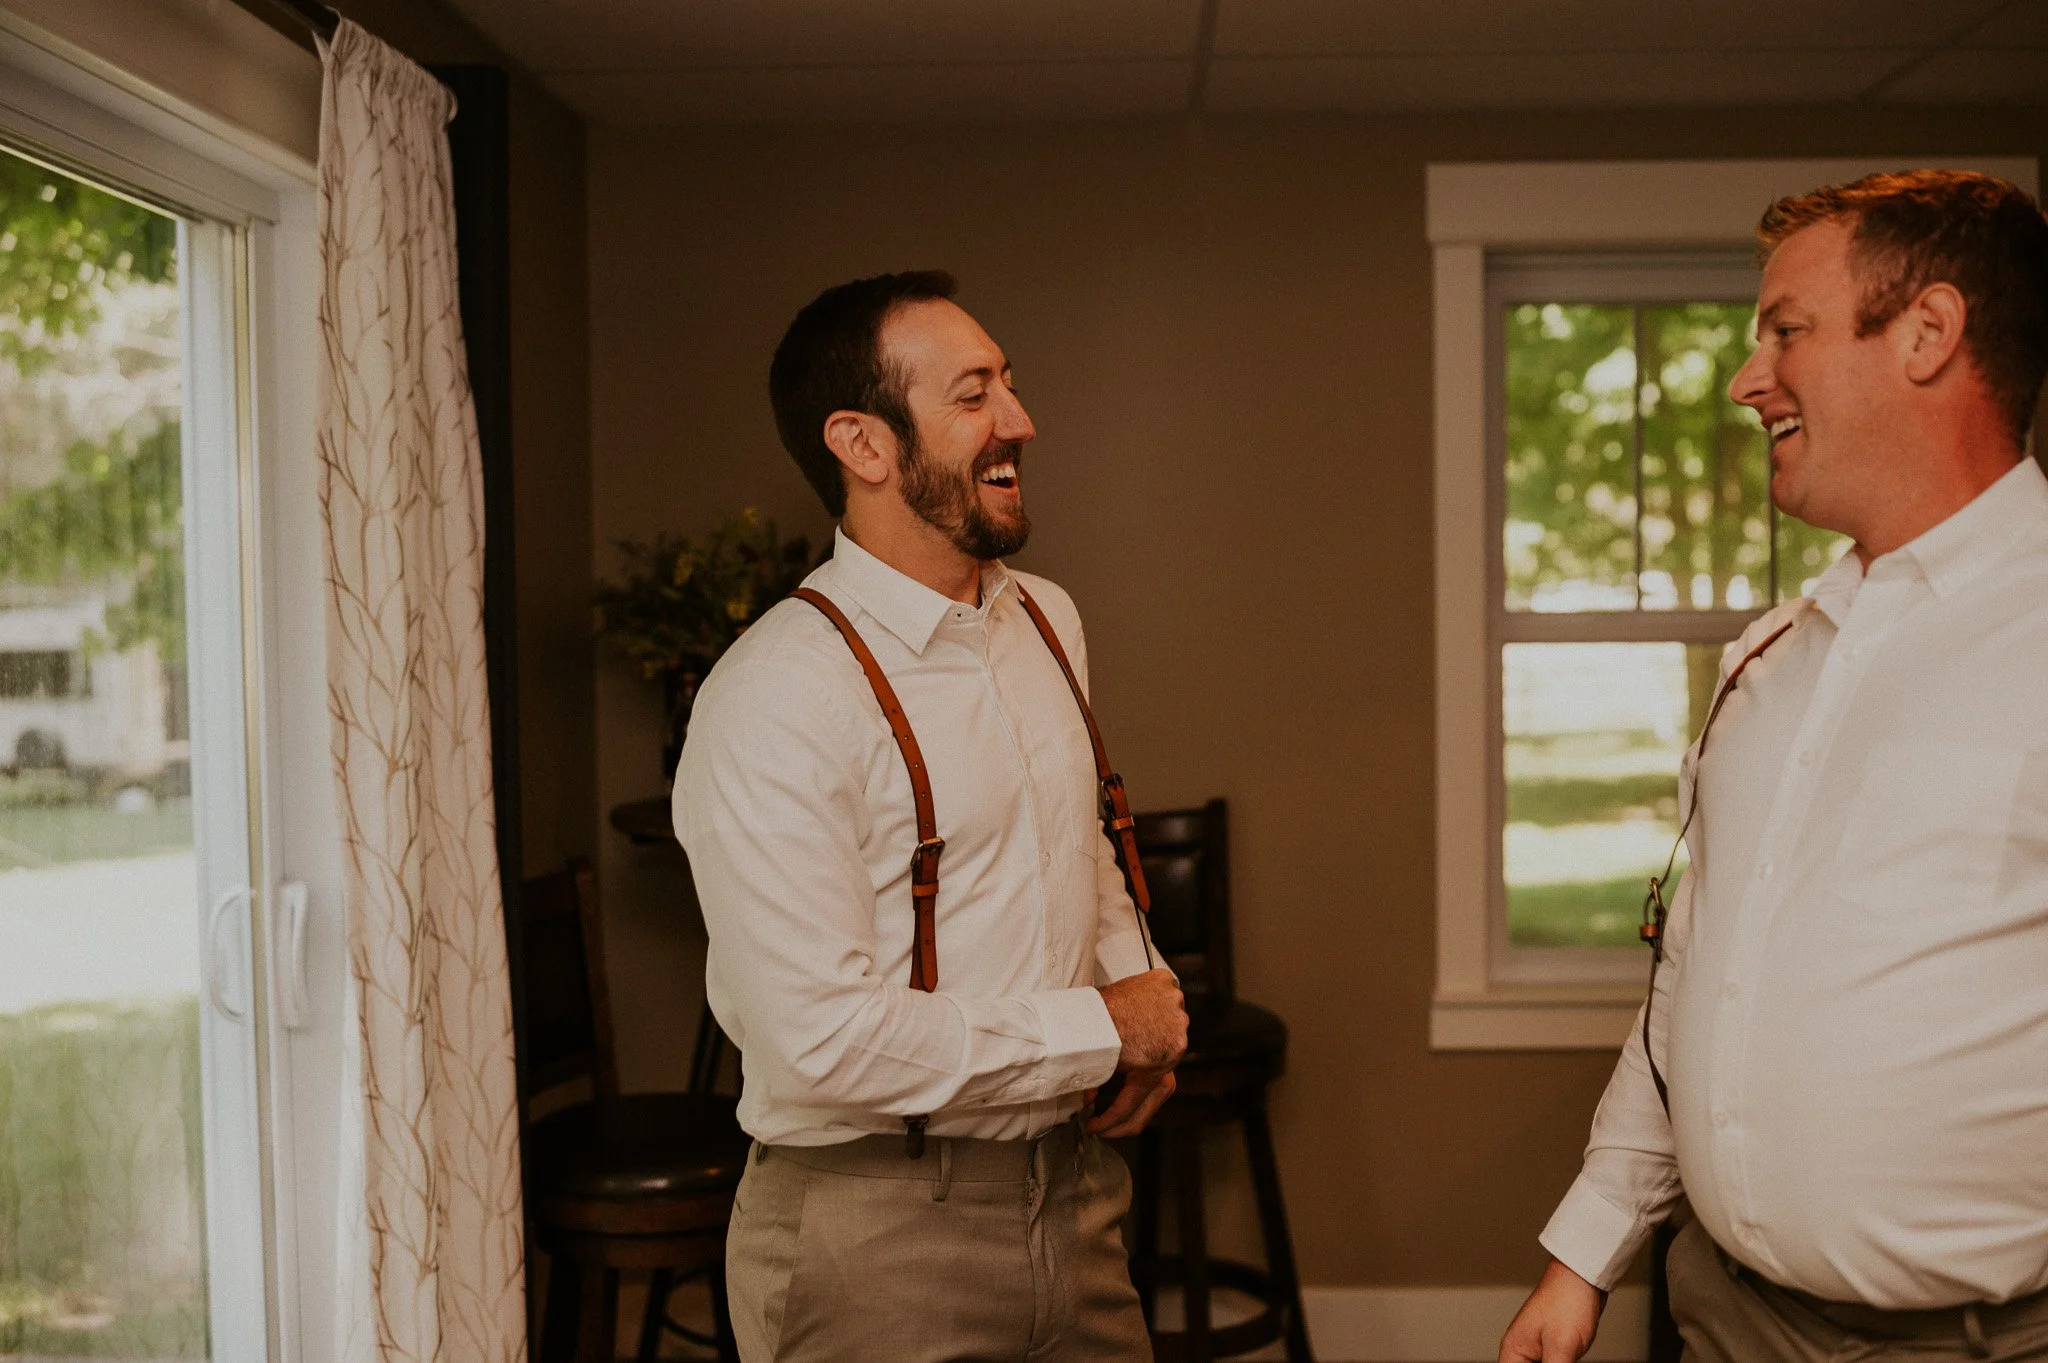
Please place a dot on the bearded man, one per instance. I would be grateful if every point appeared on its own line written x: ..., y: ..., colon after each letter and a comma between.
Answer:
x: 920, y: 937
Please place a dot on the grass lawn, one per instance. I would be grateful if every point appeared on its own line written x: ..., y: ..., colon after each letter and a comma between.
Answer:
x: 101, y: 1243
x: 1577, y: 913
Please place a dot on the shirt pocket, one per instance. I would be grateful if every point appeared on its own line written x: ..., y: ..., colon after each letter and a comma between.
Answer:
x: 1928, y: 828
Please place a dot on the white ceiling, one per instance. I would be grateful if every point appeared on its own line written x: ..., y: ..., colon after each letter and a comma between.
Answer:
x: 671, y: 61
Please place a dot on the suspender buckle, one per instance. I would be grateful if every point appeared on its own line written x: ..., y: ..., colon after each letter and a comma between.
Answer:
x: 924, y: 861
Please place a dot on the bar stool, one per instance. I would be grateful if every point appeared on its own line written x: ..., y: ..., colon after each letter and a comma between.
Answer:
x: 621, y: 1181
x: 1235, y: 1050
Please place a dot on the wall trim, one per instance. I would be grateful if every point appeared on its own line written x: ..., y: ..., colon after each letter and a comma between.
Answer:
x: 1449, y: 1324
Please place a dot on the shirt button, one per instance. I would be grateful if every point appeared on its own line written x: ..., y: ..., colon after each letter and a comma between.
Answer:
x: 1044, y: 859
x: 1806, y: 759
x: 1720, y: 1117
x: 1764, y: 871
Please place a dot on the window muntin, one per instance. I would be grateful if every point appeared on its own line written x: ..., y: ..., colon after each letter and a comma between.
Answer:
x: 1636, y: 537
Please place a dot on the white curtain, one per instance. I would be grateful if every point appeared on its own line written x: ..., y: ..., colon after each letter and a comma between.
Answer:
x: 431, y: 1253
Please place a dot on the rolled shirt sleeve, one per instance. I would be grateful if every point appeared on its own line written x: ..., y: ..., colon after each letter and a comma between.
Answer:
x: 1629, y: 1181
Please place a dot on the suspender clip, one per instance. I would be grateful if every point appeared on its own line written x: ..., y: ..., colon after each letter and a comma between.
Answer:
x: 913, y: 1136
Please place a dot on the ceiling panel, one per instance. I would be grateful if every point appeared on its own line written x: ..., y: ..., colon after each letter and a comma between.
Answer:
x: 640, y: 35
x: 1359, y: 27
x: 949, y: 91
x: 2024, y: 24
x: 1480, y: 80
x: 2007, y: 76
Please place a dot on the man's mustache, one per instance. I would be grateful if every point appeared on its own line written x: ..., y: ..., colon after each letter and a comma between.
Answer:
x: 1009, y: 452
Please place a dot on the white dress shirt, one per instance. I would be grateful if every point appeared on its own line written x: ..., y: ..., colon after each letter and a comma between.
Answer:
x: 794, y: 805
x: 1853, y: 1018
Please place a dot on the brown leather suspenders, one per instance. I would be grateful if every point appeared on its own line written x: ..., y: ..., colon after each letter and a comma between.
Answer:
x: 1654, y: 910
x: 1116, y: 808
x: 924, y: 859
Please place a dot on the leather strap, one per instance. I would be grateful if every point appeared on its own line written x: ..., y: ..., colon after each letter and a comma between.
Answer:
x: 1116, y: 807
x: 924, y: 860
x: 1654, y: 910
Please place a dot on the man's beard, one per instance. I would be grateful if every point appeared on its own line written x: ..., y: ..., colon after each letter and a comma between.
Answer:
x: 951, y: 502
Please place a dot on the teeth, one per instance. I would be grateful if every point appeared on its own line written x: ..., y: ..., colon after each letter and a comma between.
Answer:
x: 1000, y: 473
x: 1784, y: 426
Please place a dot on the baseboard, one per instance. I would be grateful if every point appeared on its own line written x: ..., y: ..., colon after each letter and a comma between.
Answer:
x: 1438, y: 1324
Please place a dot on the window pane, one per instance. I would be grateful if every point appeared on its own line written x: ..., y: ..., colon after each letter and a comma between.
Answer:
x: 102, y: 1248
x: 1804, y: 553
x: 1593, y: 738
x: 1706, y: 464
x: 1569, y: 541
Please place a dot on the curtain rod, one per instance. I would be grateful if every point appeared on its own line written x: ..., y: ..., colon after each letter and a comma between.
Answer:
x: 318, y: 17
x: 299, y: 20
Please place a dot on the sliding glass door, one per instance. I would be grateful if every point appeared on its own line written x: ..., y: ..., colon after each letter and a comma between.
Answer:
x: 131, y: 1210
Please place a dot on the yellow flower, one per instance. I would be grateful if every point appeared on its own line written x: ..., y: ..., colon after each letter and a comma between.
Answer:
x: 738, y: 608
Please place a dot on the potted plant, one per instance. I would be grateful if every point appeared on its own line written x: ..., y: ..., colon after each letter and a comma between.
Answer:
x: 684, y: 600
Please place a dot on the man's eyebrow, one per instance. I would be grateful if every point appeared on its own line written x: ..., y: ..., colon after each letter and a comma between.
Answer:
x: 980, y: 372
x: 1766, y: 315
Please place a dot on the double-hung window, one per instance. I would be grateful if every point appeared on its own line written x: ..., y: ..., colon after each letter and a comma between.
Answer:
x: 1604, y: 530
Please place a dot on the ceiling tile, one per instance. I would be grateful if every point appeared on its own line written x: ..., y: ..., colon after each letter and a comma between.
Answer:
x: 951, y: 90
x: 595, y: 35
x: 2021, y: 25
x: 1481, y: 80
x: 1975, y: 76
x: 1351, y: 27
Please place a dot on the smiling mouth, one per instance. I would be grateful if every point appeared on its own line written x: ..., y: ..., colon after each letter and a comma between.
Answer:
x: 1003, y: 475
x: 1785, y: 426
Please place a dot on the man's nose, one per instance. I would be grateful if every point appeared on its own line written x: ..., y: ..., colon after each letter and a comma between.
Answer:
x: 1012, y: 421
x: 1753, y: 381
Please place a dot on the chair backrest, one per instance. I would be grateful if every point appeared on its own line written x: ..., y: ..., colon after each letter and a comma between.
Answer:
x: 1186, y: 854
x: 568, y: 1007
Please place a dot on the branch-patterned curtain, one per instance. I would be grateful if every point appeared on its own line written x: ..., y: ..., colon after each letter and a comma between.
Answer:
x: 430, y: 1219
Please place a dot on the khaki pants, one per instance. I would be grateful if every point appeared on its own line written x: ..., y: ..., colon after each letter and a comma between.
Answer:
x: 992, y: 1251
x: 1728, y: 1314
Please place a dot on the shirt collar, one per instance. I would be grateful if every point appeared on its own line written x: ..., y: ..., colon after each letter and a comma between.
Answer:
x: 904, y: 606
x: 1835, y: 590
x: 1962, y: 546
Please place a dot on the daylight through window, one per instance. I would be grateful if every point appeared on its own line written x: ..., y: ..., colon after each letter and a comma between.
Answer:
x: 1637, y: 537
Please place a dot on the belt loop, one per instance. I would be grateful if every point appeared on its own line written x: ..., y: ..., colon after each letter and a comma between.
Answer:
x: 944, y: 1185
x: 1973, y: 1332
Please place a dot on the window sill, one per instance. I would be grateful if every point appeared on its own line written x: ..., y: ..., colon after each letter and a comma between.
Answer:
x: 1533, y: 1019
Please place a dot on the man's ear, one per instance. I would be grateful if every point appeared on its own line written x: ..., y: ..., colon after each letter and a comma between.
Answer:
x: 865, y: 445
x: 1930, y: 331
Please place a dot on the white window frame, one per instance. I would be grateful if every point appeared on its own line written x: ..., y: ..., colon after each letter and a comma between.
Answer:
x: 250, y: 285
x: 1482, y: 1001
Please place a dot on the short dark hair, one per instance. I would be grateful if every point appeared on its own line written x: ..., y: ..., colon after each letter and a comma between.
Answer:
x: 1981, y: 234
x: 830, y: 360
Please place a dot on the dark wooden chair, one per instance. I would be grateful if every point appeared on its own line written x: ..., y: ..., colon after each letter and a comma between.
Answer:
x: 616, y: 1181
x: 1235, y: 1050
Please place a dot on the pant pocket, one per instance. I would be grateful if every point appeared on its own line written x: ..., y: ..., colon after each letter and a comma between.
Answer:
x: 761, y: 1247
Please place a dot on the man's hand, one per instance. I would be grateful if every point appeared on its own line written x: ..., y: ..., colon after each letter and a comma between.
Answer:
x: 1556, y: 1324
x: 1134, y: 1104
x: 1151, y: 1020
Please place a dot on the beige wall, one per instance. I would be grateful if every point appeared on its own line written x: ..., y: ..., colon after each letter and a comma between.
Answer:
x: 1222, y: 329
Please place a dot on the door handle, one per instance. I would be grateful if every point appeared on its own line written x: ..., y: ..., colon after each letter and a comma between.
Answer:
x: 216, y: 960
x: 294, y: 1010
